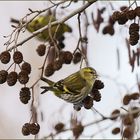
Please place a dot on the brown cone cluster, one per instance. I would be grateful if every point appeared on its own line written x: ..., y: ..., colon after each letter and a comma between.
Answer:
x: 25, y: 95
x: 65, y: 57
x: 12, y: 76
x: 95, y: 95
x: 129, y: 97
x: 129, y: 14
x: 30, y: 128
x: 128, y: 119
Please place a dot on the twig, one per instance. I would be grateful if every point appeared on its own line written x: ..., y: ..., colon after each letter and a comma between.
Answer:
x: 79, y: 10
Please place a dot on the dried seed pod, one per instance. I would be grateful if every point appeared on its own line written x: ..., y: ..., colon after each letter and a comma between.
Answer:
x: 25, y: 129
x: 124, y: 8
x: 134, y: 27
x: 59, y: 127
x: 135, y: 96
x: 137, y: 10
x: 133, y: 42
x: 88, y: 102
x: 25, y: 95
x: 17, y: 57
x: 61, y: 45
x: 26, y: 67
x: 131, y: 14
x: 49, y: 70
x: 3, y: 76
x: 134, y: 36
x: 23, y: 77
x: 41, y: 50
x: 96, y: 95
x: 128, y: 120
x: 98, y: 84
x: 126, y: 99
x: 5, y: 57
x: 116, y: 131
x: 77, y: 130
x: 34, y: 128
x: 122, y: 18
x: 115, y: 114
x: 127, y: 132
x: 57, y: 64
x: 77, y: 57
x: 12, y: 78
x: 68, y: 57
x: 109, y: 29
x: 115, y: 16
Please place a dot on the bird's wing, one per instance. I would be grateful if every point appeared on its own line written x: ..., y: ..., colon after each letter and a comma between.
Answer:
x: 73, y: 84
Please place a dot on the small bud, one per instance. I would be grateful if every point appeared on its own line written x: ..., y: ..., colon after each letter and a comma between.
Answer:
x: 116, y: 131
x: 115, y: 114
x: 59, y: 127
x: 126, y: 99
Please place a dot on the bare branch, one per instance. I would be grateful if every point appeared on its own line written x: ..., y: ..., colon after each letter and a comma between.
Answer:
x: 81, y: 9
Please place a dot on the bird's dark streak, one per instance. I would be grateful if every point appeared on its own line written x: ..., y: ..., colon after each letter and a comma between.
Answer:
x: 59, y: 85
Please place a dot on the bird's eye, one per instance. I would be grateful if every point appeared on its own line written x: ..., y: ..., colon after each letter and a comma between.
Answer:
x: 91, y: 72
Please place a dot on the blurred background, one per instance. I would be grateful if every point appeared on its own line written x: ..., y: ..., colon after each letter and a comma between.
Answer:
x: 102, y: 55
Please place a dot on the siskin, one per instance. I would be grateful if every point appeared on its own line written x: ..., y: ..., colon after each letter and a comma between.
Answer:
x: 73, y: 88
x: 43, y: 20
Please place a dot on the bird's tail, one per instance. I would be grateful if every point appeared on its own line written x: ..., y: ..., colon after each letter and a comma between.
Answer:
x: 49, y: 82
x: 45, y: 89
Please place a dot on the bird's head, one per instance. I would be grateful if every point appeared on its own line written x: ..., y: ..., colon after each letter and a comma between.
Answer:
x: 89, y: 73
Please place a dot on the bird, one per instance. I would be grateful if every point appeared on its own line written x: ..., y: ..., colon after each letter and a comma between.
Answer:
x: 74, y: 88
x: 43, y: 20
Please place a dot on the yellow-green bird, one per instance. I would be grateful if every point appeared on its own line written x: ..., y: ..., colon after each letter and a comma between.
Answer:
x: 73, y: 88
x: 43, y: 20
